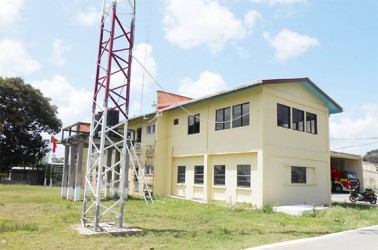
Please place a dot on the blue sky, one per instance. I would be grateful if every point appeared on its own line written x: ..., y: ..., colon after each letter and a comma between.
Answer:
x: 199, y: 47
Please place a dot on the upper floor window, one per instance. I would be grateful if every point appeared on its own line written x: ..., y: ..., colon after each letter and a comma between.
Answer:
x: 222, y: 118
x: 298, y: 175
x: 244, y: 176
x: 175, y: 121
x: 138, y: 135
x: 219, y: 175
x: 149, y: 170
x: 181, y: 174
x: 298, y: 119
x: 151, y: 129
x: 194, y: 124
x: 311, y: 123
x: 240, y: 115
x: 198, y: 174
x: 283, y: 116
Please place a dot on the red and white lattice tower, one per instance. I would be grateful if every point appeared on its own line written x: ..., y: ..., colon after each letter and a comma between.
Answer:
x: 108, y: 147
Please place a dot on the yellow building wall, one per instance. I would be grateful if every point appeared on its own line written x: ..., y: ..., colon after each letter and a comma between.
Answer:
x: 208, y: 191
x: 208, y: 148
x: 269, y: 149
x: 209, y: 140
x: 163, y: 152
x: 370, y: 176
x: 284, y: 147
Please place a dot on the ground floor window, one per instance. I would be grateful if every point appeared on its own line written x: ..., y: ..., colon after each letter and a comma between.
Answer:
x: 219, y: 175
x: 181, y: 174
x: 198, y: 174
x: 298, y: 175
x: 244, y: 175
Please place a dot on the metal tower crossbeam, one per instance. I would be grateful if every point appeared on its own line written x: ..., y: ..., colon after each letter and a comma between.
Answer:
x: 108, y: 132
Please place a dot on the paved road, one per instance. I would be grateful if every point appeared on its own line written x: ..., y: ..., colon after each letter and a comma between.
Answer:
x: 344, y: 197
x: 360, y: 239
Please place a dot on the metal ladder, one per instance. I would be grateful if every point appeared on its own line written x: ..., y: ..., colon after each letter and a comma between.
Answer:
x: 136, y: 164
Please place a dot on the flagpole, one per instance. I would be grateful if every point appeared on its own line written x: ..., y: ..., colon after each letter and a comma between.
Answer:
x: 53, y: 148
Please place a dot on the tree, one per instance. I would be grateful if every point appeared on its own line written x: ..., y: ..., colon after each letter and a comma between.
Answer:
x: 24, y: 115
x: 371, y: 156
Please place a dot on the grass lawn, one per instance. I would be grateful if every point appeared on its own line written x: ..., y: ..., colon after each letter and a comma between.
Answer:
x: 35, y: 217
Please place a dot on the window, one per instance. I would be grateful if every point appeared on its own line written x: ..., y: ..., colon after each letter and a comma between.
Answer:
x: 175, y: 122
x: 148, y: 170
x: 222, y: 118
x: 298, y: 174
x: 138, y: 135
x: 193, y: 124
x: 244, y: 176
x: 240, y: 115
x: 219, y: 175
x: 283, y: 116
x: 198, y: 174
x: 181, y: 174
x: 151, y: 129
x: 311, y: 123
x: 298, y: 119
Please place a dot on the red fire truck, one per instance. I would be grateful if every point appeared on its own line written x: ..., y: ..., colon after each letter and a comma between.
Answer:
x: 343, y: 180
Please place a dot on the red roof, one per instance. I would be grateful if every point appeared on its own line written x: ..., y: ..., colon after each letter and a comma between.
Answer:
x: 165, y: 99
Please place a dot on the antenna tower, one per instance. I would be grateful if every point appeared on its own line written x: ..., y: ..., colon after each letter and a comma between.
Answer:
x: 108, y: 132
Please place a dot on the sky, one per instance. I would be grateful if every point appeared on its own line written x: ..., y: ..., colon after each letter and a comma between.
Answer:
x: 200, y: 47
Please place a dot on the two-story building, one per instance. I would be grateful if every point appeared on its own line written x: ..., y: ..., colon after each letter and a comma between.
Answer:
x: 263, y: 142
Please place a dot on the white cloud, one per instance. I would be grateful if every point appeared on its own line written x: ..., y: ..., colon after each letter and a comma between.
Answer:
x: 88, y: 18
x: 143, y: 67
x: 143, y: 54
x: 15, y: 60
x: 10, y: 12
x: 134, y: 109
x: 208, y: 83
x: 74, y: 105
x: 290, y: 44
x: 188, y: 24
x: 360, y: 122
x: 58, y: 50
x: 282, y: 2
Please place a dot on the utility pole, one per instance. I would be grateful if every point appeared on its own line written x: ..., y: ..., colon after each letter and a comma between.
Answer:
x: 109, y: 125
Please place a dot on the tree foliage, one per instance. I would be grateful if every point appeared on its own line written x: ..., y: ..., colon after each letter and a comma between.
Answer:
x: 371, y: 156
x: 24, y: 115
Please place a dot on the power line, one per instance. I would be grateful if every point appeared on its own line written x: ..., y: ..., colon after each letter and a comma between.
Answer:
x: 353, y: 146
x: 354, y: 139
x: 179, y: 105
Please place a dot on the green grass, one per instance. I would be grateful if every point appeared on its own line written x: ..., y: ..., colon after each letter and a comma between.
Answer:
x: 34, y: 217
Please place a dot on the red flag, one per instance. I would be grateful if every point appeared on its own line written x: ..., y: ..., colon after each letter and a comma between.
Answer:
x: 53, y: 141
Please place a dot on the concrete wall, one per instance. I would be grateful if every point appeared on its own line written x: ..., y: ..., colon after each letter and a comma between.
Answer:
x: 370, y: 175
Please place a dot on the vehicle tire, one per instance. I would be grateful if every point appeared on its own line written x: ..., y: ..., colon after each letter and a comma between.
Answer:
x: 352, y: 199
x: 373, y: 200
x: 338, y: 189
